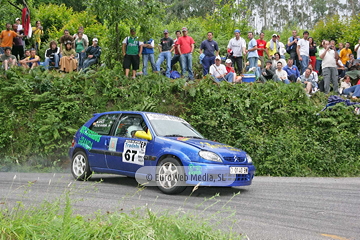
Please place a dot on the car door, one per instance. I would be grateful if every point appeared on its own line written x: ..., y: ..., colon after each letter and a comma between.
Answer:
x: 98, y: 136
x: 128, y: 152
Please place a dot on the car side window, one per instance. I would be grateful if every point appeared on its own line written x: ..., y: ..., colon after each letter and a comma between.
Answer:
x: 129, y: 124
x: 103, y: 124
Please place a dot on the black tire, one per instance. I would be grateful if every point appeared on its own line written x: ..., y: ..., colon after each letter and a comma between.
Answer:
x: 80, y: 168
x: 162, y: 171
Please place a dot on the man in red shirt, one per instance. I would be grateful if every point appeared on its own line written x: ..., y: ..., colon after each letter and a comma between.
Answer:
x: 186, y: 46
x: 261, y: 45
x: 7, y: 37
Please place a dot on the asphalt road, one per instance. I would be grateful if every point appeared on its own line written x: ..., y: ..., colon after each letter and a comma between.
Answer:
x: 271, y: 208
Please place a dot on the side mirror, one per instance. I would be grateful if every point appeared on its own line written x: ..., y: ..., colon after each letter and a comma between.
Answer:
x: 143, y: 135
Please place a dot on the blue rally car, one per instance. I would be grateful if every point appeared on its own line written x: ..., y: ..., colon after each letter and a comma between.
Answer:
x: 159, y: 148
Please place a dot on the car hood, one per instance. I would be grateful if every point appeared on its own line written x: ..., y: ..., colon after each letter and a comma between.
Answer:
x: 220, y: 148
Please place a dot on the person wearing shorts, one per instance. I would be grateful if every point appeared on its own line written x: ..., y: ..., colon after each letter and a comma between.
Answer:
x: 132, y: 50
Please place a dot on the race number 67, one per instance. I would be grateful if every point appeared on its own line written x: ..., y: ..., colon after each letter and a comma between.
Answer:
x: 130, y: 154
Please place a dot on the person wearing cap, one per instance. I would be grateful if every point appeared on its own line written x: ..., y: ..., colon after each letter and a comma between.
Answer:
x: 176, y: 57
x: 166, y: 45
x: 230, y: 68
x: 37, y: 32
x: 208, y: 48
x: 252, y: 54
x: 261, y: 47
x: 236, y: 49
x: 93, y: 54
x: 7, y: 37
x: 272, y: 46
x: 7, y: 59
x: 68, y: 61
x: 218, y: 71
x: 148, y: 54
x: 18, y: 47
x: 186, y: 45
x: 31, y: 61
x: 64, y: 39
x: 131, y: 49
x: 302, y: 50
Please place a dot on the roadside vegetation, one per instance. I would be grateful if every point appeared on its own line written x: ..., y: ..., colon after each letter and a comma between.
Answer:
x: 58, y: 219
x: 277, y: 124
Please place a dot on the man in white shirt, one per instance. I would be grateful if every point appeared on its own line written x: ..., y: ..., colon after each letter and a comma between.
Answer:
x: 357, y: 50
x: 236, y: 49
x: 303, y: 51
x: 219, y: 73
x: 282, y: 74
x: 329, y: 56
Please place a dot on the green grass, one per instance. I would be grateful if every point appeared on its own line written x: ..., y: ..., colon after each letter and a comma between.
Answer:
x: 57, y: 220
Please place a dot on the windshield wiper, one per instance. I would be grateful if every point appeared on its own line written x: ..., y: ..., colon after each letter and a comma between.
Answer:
x: 173, y: 135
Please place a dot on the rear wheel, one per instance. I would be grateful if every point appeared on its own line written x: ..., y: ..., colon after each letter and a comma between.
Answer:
x: 80, y: 168
x: 170, y: 176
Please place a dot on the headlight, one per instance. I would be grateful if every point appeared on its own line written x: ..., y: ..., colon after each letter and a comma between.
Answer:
x: 249, y: 160
x: 210, y: 156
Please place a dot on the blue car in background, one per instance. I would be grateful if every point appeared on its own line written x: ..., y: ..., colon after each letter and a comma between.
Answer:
x: 159, y: 148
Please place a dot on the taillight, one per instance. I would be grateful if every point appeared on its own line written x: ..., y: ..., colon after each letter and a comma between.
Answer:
x: 73, y: 143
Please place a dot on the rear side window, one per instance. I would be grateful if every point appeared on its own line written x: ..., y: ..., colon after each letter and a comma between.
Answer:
x: 103, y: 124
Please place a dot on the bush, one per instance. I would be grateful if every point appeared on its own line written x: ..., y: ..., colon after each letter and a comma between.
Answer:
x: 276, y: 123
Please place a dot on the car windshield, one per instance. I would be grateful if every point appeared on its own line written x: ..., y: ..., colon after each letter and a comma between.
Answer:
x: 170, y: 126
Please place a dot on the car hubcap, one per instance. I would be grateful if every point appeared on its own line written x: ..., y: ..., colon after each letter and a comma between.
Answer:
x: 79, y: 165
x: 168, y: 175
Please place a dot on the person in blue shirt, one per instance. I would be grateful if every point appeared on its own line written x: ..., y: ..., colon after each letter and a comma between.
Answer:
x: 292, y: 70
x: 209, y: 48
x: 148, y: 55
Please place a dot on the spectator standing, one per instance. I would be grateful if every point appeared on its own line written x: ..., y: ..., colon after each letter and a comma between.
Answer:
x: 132, y: 50
x: 341, y: 47
x: 210, y: 49
x: 20, y: 28
x: 292, y: 70
x: 318, y: 59
x: 64, y: 39
x: 312, y: 52
x: 7, y: 59
x: 261, y: 46
x: 282, y: 49
x: 345, y: 53
x: 292, y: 46
x: 272, y: 47
x: 357, y: 49
x: 68, y: 62
x: 18, y: 47
x: 186, y: 45
x: 218, y: 71
x: 93, y: 54
x: 252, y: 54
x: 80, y: 47
x: 7, y: 37
x: 84, y: 36
x: 303, y: 51
x: 329, y: 57
x: 148, y: 54
x: 37, y: 32
x: 52, y: 54
x: 236, y: 49
x: 165, y: 48
x: 176, y: 57
x: 31, y: 61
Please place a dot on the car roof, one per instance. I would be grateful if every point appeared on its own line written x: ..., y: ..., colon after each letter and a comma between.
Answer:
x: 136, y: 112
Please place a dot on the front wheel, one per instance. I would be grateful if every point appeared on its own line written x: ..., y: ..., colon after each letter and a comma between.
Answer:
x: 170, y: 175
x: 80, y: 168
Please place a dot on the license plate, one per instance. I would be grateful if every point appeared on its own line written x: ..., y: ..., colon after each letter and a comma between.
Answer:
x: 238, y: 170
